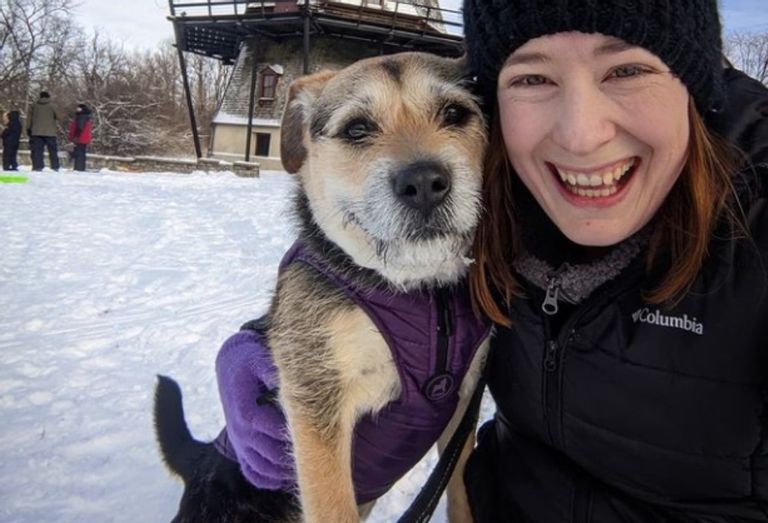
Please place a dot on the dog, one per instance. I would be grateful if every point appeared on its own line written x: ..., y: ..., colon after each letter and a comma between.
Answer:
x: 389, y: 157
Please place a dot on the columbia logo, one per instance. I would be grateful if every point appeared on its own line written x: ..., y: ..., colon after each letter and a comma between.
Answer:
x: 645, y: 315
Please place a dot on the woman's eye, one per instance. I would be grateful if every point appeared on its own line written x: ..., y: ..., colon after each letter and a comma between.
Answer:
x: 628, y: 71
x: 529, y: 80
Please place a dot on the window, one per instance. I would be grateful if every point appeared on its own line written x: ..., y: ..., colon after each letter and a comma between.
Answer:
x: 268, y: 84
x: 262, y: 144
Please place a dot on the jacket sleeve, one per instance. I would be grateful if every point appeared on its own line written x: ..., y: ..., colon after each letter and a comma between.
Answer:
x: 30, y: 119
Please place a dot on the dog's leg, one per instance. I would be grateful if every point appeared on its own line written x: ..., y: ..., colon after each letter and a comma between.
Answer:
x: 458, y: 505
x: 334, y: 367
x: 324, y: 469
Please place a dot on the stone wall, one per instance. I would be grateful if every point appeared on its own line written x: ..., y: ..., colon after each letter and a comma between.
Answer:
x: 97, y: 162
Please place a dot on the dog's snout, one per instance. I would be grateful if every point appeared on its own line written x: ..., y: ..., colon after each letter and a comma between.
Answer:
x: 422, y: 185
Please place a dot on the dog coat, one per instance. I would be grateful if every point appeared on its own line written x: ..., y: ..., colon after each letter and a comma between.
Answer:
x: 433, y: 336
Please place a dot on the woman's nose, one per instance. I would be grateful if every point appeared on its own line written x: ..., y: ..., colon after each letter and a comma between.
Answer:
x: 585, y: 121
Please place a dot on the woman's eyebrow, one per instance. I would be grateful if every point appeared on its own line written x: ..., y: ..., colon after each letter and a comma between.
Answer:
x: 526, y: 58
x: 613, y: 46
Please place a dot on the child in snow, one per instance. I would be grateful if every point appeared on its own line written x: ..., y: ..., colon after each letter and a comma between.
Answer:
x: 80, y: 135
x: 11, y: 136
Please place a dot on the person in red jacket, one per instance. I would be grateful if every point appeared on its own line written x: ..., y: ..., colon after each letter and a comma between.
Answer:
x: 80, y: 135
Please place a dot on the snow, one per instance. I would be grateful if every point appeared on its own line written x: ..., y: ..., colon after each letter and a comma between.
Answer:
x: 233, y: 119
x: 107, y: 279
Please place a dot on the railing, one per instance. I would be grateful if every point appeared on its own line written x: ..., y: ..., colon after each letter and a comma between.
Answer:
x: 441, y: 19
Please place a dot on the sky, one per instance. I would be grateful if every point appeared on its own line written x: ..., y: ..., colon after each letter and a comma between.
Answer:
x: 114, y: 278
x: 142, y: 24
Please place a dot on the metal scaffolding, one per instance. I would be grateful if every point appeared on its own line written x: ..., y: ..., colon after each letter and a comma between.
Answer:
x: 218, y: 28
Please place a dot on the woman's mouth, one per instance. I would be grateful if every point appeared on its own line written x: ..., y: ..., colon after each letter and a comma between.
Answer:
x: 600, y: 183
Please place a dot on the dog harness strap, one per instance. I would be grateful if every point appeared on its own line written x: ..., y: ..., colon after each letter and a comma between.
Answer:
x: 425, y: 502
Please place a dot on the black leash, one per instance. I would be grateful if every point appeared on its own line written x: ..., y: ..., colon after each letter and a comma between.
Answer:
x: 424, y: 504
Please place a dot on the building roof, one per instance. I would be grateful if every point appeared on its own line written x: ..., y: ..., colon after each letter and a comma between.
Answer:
x: 217, y: 28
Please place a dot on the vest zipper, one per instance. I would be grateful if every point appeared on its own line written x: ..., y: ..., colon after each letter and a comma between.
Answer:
x: 444, y: 331
x: 441, y: 382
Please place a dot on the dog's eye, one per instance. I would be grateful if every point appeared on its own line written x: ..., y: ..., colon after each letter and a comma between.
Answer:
x: 358, y: 129
x: 455, y: 114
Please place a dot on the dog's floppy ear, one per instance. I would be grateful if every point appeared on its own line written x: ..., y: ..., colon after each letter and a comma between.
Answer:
x: 301, y: 94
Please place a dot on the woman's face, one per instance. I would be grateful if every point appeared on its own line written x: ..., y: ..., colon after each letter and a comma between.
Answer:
x: 596, y: 129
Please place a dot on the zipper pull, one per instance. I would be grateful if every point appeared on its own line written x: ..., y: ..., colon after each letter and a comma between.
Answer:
x: 550, y: 362
x: 550, y: 300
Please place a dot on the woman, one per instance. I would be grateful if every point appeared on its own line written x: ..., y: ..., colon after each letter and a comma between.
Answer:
x: 80, y: 135
x: 624, y: 253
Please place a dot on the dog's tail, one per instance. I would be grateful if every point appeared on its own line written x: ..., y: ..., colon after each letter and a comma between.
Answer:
x: 177, y: 446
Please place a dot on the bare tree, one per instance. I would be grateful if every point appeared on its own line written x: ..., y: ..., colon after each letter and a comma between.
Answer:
x: 136, y: 97
x: 32, y: 42
x: 749, y: 52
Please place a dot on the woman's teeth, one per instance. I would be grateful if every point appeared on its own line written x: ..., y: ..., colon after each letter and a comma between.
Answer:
x: 597, y: 184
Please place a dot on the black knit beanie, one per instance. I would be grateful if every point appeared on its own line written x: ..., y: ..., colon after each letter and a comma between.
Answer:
x: 684, y: 34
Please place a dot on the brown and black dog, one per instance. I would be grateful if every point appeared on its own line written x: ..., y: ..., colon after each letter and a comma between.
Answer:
x: 389, y: 156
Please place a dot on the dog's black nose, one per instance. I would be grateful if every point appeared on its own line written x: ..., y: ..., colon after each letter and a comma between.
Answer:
x: 422, y: 185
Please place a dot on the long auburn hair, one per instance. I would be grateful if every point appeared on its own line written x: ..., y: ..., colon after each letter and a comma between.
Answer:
x: 684, y: 222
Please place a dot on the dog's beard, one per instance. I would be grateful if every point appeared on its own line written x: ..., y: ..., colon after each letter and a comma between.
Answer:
x: 400, y: 243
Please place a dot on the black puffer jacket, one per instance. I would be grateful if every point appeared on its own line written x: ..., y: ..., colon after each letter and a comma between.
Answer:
x: 628, y: 412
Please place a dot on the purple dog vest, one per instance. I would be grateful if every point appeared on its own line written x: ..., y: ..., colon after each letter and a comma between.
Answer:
x: 433, y: 337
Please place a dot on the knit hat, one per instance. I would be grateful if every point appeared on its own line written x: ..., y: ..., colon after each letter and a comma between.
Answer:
x: 684, y: 34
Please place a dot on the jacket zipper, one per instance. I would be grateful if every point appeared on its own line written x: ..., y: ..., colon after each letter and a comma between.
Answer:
x: 557, y: 343
x: 552, y: 349
x: 552, y: 384
x: 549, y: 306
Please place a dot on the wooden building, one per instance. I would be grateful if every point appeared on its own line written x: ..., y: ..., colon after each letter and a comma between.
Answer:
x: 270, y: 43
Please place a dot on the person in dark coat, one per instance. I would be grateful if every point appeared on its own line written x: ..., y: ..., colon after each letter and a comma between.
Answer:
x: 11, y: 136
x: 623, y: 256
x: 80, y: 135
x: 41, y: 129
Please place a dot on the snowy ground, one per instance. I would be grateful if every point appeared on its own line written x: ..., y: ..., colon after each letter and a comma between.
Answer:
x: 107, y: 279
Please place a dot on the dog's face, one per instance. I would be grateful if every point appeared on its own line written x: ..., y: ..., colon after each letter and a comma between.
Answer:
x: 389, y: 152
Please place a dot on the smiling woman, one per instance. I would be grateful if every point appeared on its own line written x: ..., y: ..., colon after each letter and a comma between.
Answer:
x: 570, y: 107
x: 622, y: 254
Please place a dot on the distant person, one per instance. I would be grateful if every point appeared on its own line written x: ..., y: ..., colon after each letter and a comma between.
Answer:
x: 42, y: 132
x: 80, y: 135
x: 11, y: 136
